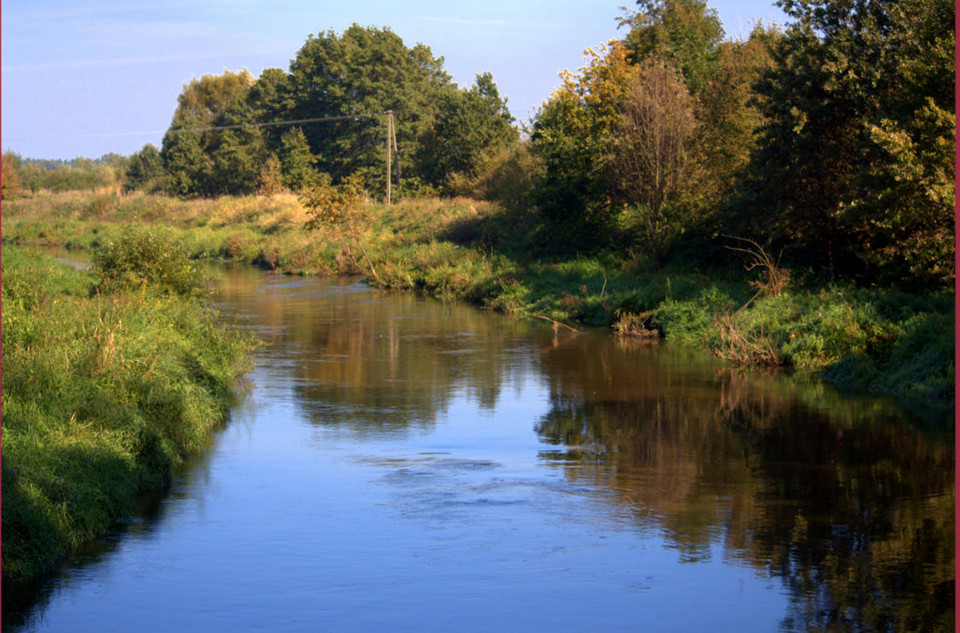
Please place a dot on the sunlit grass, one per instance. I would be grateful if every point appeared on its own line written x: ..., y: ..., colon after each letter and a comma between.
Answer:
x: 463, y: 249
x: 103, y: 396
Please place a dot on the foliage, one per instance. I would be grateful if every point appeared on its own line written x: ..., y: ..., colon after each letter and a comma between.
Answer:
x: 206, y: 100
x: 572, y: 134
x: 359, y: 75
x: 204, y: 161
x: 269, y: 181
x: 903, y: 210
x: 468, y: 126
x: 684, y: 33
x: 145, y: 257
x: 591, y: 135
x: 296, y: 160
x: 854, y: 169
x: 728, y: 114
x: 329, y: 204
x: 653, y: 166
x: 507, y: 175
x: 11, y: 183
x: 235, y: 159
x: 145, y: 171
x: 227, y: 126
x: 183, y: 156
x: 339, y: 207
x: 881, y: 340
x: 79, y: 174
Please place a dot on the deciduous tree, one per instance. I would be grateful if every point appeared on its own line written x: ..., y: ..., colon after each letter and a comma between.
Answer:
x: 853, y: 171
x: 572, y: 135
x: 654, y: 168
x: 145, y: 170
x: 686, y: 33
x: 359, y: 75
x: 189, y: 145
x: 468, y: 125
x: 11, y: 183
x: 296, y: 160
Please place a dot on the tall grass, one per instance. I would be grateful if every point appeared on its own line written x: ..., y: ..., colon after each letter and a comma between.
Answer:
x: 461, y: 249
x: 104, y: 394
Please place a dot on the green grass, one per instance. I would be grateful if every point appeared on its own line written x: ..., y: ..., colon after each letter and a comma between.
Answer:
x: 466, y: 250
x: 103, y: 397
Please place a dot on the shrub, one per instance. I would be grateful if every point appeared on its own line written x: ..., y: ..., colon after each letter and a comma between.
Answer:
x: 145, y: 256
x: 642, y: 325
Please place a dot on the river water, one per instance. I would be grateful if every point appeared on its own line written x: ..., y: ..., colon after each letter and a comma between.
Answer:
x: 398, y: 464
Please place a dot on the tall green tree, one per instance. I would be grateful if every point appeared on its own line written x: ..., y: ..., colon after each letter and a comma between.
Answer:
x: 145, y: 170
x: 358, y: 75
x: 852, y: 169
x: 235, y: 160
x: 268, y: 100
x: 207, y: 99
x: 902, y: 209
x: 190, y: 143
x: 468, y: 125
x: 686, y: 33
x: 296, y: 160
x: 183, y: 156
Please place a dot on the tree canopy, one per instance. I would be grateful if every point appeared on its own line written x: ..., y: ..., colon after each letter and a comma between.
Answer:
x: 854, y: 166
x: 337, y: 90
x: 831, y: 140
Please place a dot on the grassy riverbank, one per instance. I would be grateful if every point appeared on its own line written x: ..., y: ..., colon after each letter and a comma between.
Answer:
x: 108, y: 383
x: 459, y: 249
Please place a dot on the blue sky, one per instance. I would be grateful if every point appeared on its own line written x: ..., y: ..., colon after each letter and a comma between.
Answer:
x: 84, y: 78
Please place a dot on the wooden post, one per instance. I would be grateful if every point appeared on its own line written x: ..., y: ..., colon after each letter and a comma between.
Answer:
x: 396, y: 152
x: 389, y: 148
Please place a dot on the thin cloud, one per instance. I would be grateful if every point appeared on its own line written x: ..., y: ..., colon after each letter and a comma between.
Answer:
x: 468, y: 22
x: 90, y: 10
x: 101, y: 63
x: 446, y: 20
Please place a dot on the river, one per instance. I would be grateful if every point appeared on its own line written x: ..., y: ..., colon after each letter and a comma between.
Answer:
x: 399, y: 464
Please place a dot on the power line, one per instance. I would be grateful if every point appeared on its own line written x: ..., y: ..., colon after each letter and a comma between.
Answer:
x: 212, y: 128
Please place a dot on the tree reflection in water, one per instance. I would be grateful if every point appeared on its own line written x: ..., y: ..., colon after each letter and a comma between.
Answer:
x: 851, y: 508
x: 842, y: 499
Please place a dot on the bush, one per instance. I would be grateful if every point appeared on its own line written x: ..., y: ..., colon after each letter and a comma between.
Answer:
x: 145, y: 256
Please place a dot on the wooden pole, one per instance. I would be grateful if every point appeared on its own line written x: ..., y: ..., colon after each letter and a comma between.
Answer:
x: 396, y: 152
x: 389, y: 148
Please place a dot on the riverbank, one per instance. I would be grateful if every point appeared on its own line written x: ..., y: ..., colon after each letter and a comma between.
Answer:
x: 107, y: 387
x: 880, y: 340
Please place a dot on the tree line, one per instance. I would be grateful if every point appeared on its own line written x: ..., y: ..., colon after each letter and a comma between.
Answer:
x: 225, y: 140
x: 828, y: 142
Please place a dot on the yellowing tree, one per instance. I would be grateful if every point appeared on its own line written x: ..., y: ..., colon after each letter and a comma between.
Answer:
x: 654, y: 168
x: 572, y: 136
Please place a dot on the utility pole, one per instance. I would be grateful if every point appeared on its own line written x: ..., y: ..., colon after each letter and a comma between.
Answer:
x: 390, y: 142
x: 396, y: 153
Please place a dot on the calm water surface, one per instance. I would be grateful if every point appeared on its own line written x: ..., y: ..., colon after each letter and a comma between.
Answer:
x: 398, y: 464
